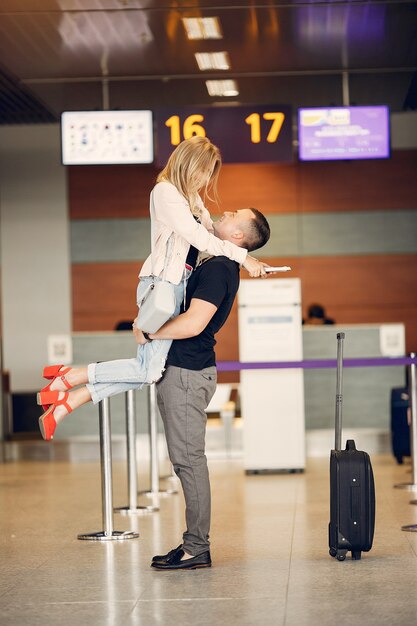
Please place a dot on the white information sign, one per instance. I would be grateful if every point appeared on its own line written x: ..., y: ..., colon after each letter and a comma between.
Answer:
x: 59, y: 349
x: 392, y: 339
x: 106, y: 137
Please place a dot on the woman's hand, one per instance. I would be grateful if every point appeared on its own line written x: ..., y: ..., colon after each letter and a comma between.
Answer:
x: 140, y: 339
x: 254, y: 267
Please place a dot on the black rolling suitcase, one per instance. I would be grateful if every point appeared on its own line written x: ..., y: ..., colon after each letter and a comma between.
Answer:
x: 352, y: 491
x: 400, y: 429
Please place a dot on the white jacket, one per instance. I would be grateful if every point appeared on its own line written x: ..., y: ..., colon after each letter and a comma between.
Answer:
x: 170, y: 213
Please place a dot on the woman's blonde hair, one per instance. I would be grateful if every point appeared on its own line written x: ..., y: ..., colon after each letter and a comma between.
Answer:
x: 191, y: 159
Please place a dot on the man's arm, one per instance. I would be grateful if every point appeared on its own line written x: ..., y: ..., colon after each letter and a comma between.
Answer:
x: 188, y: 324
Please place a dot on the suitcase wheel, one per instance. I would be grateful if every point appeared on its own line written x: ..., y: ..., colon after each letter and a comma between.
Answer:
x: 341, y: 555
x: 332, y: 552
x: 356, y: 555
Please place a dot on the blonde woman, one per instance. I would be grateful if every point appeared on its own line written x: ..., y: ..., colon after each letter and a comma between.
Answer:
x: 178, y: 213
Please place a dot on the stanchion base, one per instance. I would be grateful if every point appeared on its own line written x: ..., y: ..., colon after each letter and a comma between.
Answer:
x: 158, y: 494
x: 117, y: 535
x: 408, y: 486
x: 171, y: 479
x: 139, y: 510
x: 413, y: 501
x: 411, y: 528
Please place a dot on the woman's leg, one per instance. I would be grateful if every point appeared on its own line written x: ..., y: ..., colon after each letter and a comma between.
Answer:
x: 76, y: 376
x: 109, y: 378
x: 75, y: 399
x: 149, y: 364
x: 84, y: 394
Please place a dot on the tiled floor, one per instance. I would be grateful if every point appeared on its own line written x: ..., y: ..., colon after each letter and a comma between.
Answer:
x: 269, y: 548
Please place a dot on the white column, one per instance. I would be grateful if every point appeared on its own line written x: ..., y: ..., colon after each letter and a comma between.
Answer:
x: 34, y: 248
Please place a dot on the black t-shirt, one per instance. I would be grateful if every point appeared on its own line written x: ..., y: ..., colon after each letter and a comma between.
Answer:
x: 192, y: 257
x: 192, y: 252
x: 215, y: 281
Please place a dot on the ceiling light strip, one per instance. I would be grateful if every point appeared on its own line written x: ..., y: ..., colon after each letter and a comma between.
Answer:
x: 222, y: 88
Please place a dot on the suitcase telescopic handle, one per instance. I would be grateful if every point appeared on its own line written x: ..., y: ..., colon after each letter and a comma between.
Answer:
x: 339, y: 395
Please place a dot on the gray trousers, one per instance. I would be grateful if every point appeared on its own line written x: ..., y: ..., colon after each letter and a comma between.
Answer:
x: 182, y: 397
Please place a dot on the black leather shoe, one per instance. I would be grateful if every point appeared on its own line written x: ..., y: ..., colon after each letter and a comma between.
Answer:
x: 174, y: 562
x: 162, y: 558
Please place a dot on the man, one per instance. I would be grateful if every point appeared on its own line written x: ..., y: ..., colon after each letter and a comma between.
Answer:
x: 316, y: 315
x: 189, y: 381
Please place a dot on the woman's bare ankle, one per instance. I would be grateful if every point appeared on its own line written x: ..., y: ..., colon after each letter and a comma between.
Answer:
x: 77, y: 376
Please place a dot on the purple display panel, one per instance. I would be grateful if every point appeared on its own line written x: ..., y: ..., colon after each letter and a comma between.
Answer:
x: 343, y: 133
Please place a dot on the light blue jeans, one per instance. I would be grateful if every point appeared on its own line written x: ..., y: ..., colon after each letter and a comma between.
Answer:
x: 112, y: 377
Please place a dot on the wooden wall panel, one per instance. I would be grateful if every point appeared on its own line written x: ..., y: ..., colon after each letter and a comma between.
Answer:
x: 359, y: 185
x: 269, y: 187
x: 103, y: 294
x: 353, y: 290
x: 110, y: 191
x: 369, y: 281
x: 123, y: 191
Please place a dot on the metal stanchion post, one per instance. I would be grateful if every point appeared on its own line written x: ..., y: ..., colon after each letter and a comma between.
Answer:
x: 413, y: 429
x: 227, y: 415
x: 107, y: 534
x: 132, y: 482
x: 153, y: 438
x: 413, y: 432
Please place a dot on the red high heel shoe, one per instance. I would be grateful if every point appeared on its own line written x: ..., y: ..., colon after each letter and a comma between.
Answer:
x: 47, y: 422
x: 52, y: 372
x: 47, y: 397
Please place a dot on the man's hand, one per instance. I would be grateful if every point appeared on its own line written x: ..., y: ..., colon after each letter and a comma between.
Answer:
x: 140, y: 339
x: 254, y: 267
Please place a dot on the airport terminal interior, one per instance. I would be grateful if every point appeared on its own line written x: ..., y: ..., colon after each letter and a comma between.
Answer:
x: 313, y: 107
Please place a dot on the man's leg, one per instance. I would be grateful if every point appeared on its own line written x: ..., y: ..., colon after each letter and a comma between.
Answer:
x: 182, y: 397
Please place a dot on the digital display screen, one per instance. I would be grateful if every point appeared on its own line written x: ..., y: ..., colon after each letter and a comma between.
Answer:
x: 106, y: 137
x: 244, y: 134
x: 343, y: 133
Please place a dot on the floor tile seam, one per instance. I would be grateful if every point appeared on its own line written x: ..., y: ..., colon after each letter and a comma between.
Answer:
x: 73, y: 602
x: 413, y: 548
x: 287, y: 590
x: 209, y: 599
x: 16, y: 583
x: 8, y: 590
x: 394, y: 510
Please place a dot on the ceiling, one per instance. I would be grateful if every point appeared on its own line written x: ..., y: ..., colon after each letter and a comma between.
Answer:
x: 58, y: 55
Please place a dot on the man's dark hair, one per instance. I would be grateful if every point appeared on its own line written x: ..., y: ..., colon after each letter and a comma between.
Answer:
x: 258, y: 231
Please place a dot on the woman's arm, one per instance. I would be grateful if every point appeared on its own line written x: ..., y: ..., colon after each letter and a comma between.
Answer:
x: 188, y: 324
x: 206, y: 220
